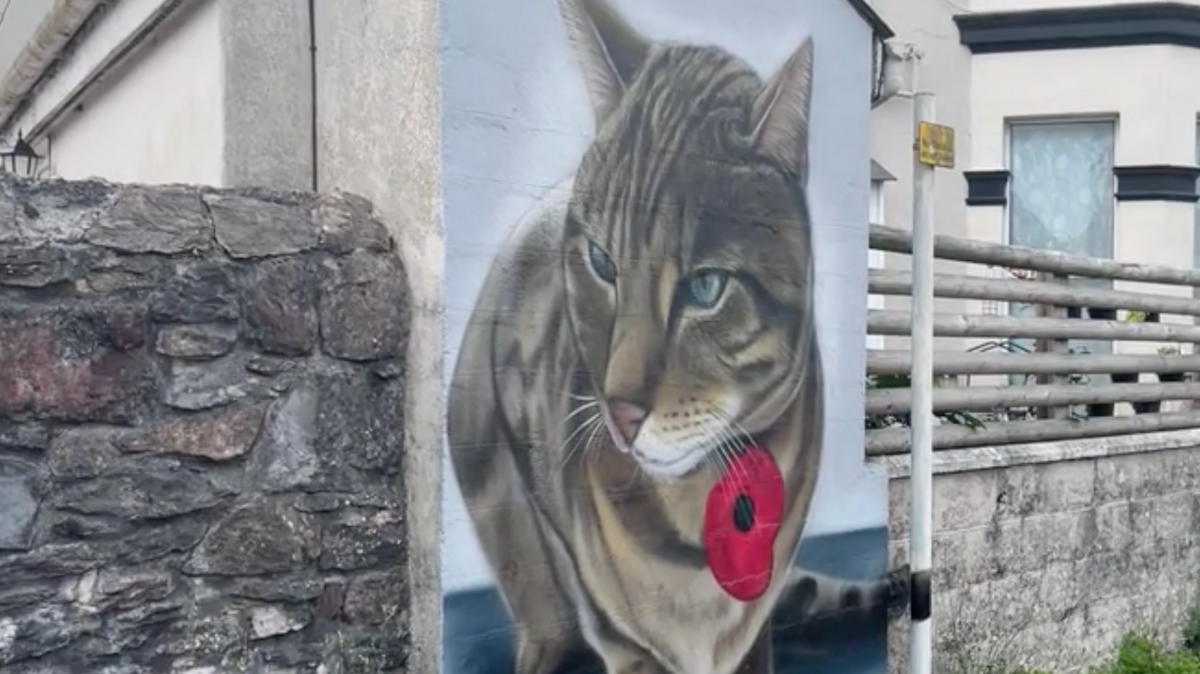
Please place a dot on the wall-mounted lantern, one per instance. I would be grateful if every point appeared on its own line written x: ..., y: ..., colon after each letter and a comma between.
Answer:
x: 11, y: 159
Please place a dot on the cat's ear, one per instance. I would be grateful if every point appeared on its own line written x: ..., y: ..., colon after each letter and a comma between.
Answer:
x: 608, y: 50
x: 781, y: 111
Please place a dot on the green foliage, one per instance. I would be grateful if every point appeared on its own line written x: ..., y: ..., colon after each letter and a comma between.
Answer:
x: 1191, y: 631
x: 1142, y: 654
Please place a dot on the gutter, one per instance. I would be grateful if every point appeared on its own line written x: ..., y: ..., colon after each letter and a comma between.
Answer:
x: 51, y: 37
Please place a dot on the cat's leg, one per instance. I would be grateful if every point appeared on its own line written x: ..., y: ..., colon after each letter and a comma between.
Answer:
x: 627, y: 662
x: 761, y: 658
x: 819, y: 611
x: 506, y: 524
x: 547, y: 629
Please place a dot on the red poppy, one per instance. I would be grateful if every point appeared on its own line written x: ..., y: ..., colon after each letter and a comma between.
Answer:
x: 741, y: 520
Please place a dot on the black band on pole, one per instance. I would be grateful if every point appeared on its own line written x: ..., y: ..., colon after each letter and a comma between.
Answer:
x: 921, y: 601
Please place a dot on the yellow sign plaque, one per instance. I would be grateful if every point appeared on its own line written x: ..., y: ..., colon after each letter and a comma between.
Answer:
x: 935, y: 145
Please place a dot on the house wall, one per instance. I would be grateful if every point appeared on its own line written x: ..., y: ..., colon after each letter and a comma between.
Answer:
x: 1154, y: 109
x: 157, y: 118
x: 1019, y: 5
x: 1155, y: 124
x: 946, y: 71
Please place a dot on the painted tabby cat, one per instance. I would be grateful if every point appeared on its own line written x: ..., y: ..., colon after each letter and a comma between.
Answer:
x: 634, y: 333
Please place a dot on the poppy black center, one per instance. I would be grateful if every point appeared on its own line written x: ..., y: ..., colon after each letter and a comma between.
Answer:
x: 743, y: 513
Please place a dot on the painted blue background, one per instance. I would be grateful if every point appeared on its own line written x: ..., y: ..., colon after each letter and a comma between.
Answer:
x: 516, y: 119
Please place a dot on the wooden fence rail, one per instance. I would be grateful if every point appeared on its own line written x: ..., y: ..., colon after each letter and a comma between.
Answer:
x: 976, y: 398
x: 1019, y: 257
x: 897, y: 440
x: 899, y: 324
x: 1058, y: 372
x: 953, y: 362
x: 1032, y: 292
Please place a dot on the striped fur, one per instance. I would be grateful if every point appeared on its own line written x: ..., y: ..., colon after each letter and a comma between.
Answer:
x: 599, y: 300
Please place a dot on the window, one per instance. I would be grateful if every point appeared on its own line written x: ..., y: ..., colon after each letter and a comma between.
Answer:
x: 1196, y: 216
x: 1061, y: 196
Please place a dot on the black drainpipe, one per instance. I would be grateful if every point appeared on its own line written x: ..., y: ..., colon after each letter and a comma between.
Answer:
x: 312, y: 64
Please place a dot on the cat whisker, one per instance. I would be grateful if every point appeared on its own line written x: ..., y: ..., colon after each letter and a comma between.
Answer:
x: 585, y: 406
x: 581, y: 431
x: 714, y: 458
x: 729, y: 442
x: 720, y: 447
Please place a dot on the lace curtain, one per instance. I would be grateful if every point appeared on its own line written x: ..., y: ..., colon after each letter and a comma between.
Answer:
x: 1196, y: 218
x: 1061, y: 197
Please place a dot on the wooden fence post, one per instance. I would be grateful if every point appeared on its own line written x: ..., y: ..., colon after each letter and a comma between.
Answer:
x: 1052, y: 345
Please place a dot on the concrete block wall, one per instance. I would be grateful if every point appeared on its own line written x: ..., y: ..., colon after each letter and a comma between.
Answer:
x: 201, y: 433
x: 1045, y: 556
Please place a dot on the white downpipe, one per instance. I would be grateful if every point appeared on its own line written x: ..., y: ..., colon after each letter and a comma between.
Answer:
x: 921, y: 542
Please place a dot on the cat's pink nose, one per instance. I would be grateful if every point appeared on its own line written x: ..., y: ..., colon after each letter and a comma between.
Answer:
x: 628, y: 418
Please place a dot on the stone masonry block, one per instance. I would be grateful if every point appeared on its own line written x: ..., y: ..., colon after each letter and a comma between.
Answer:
x: 24, y: 437
x: 154, y: 220
x: 1174, y: 520
x: 364, y: 307
x: 75, y: 365
x: 964, y: 500
x: 248, y: 227
x: 266, y: 536
x: 1019, y: 491
x: 347, y: 223
x: 196, y: 342
x: 198, y: 292
x: 899, y: 510
x: 1057, y: 537
x: 55, y: 211
x: 279, y: 300
x: 20, y: 496
x: 1114, y: 531
x: 39, y: 266
x: 1066, y: 485
x: 218, y: 435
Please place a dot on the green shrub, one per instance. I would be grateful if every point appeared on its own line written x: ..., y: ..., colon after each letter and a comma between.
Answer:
x: 1191, y: 632
x: 1141, y: 654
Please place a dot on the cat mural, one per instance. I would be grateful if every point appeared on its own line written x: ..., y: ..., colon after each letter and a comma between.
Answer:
x: 636, y: 416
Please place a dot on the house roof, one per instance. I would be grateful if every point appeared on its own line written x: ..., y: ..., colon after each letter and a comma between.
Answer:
x: 868, y: 13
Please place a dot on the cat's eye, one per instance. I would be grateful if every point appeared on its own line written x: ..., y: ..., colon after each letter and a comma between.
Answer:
x: 601, y: 263
x: 705, y: 288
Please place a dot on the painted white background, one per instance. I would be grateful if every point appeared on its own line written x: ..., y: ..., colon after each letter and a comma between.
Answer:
x: 516, y: 120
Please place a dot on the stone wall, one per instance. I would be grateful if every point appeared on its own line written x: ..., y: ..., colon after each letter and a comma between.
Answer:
x: 1047, y: 560
x: 200, y: 432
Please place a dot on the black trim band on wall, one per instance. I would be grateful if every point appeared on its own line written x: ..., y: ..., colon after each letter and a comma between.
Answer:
x: 1157, y: 183
x: 1081, y: 27
x: 987, y: 188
